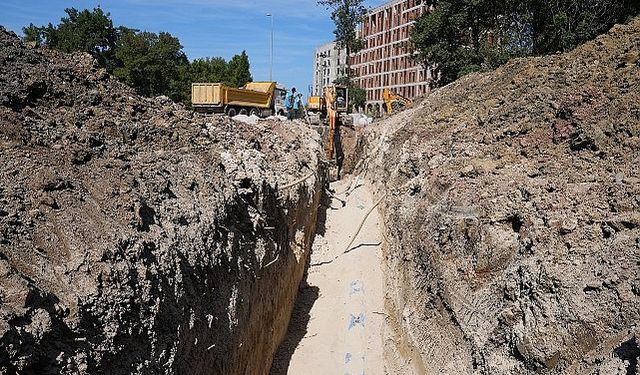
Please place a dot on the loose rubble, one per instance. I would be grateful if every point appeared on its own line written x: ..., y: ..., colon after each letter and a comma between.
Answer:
x: 359, y: 119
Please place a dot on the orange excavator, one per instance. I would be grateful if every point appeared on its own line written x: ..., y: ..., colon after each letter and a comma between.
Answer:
x: 395, y: 102
x: 336, y: 100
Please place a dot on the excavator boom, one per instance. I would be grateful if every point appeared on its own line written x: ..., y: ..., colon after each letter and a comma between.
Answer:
x: 336, y: 100
x: 395, y: 101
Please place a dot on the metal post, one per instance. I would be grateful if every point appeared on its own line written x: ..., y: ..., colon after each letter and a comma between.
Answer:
x: 271, y: 60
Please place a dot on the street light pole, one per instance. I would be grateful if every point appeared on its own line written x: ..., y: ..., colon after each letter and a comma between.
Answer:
x: 271, y: 61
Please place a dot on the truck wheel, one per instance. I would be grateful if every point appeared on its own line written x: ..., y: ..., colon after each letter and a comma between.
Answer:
x: 243, y: 111
x: 254, y: 112
x: 231, y: 112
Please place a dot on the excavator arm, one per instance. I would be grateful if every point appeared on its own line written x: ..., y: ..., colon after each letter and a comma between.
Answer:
x: 395, y: 101
x: 330, y: 102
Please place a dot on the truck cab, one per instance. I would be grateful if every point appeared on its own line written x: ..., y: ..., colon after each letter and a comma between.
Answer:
x: 278, y: 100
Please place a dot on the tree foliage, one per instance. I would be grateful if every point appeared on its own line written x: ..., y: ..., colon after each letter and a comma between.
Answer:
x: 150, y: 62
x: 238, y: 70
x: 209, y: 70
x: 357, y: 96
x: 561, y: 25
x: 462, y: 36
x: 437, y: 39
x: 346, y: 15
x: 234, y: 73
x: 153, y: 64
x: 86, y: 31
x: 33, y: 33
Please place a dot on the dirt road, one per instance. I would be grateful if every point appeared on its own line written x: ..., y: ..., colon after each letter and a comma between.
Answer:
x: 339, y: 318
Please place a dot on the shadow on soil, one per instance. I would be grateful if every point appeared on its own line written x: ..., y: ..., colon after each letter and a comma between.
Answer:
x: 307, y: 296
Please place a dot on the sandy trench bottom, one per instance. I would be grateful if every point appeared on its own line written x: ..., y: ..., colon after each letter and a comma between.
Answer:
x: 345, y: 292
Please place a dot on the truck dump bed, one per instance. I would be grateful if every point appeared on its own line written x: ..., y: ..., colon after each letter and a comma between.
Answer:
x: 217, y: 96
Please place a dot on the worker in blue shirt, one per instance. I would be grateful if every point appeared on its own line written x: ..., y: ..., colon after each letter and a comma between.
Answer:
x: 289, y: 101
x: 297, y: 103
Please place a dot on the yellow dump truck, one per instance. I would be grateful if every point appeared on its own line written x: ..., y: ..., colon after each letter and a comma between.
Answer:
x: 255, y: 98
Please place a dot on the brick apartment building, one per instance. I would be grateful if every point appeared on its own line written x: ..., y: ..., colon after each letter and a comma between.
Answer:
x: 386, y: 59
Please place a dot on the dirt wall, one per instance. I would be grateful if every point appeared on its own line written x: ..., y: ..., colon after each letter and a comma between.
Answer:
x: 513, y: 215
x: 137, y: 237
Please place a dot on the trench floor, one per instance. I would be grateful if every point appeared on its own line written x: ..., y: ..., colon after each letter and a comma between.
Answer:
x: 337, y: 324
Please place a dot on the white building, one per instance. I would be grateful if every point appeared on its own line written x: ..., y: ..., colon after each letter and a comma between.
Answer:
x: 329, y: 63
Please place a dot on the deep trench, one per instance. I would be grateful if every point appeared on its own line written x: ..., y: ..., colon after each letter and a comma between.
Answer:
x: 337, y: 321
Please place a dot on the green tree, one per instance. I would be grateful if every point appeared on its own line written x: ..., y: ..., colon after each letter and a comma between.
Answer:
x: 436, y: 36
x: 151, y: 63
x: 462, y: 36
x: 200, y: 70
x: 85, y: 31
x: 563, y: 25
x: 346, y: 15
x: 208, y: 70
x: 33, y: 33
x: 357, y: 96
x: 238, y: 70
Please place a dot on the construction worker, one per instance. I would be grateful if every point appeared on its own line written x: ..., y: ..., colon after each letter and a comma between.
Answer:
x: 289, y: 101
x: 297, y: 103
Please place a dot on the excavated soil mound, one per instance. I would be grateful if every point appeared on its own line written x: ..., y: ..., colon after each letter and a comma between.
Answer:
x: 137, y: 237
x: 513, y: 215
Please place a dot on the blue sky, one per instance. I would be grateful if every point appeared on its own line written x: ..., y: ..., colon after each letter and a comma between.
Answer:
x: 211, y: 28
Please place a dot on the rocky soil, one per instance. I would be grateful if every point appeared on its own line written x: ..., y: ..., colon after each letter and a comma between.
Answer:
x: 137, y: 237
x: 513, y: 215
